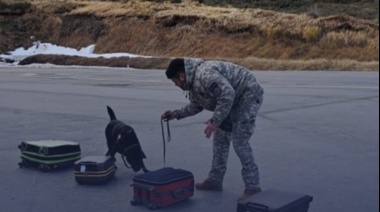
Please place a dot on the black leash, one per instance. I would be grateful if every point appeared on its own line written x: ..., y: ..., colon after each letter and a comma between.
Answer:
x: 125, y: 152
x: 122, y: 155
x: 163, y: 137
x: 125, y: 162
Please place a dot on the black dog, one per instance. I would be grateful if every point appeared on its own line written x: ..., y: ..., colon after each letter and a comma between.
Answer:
x: 122, y: 139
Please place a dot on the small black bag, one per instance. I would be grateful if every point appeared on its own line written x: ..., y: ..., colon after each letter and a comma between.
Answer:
x: 273, y: 200
x: 226, y: 125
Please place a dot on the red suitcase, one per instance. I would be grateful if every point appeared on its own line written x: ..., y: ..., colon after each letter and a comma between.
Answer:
x: 162, y: 188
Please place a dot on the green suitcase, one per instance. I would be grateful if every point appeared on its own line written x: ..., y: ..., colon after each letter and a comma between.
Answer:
x: 47, y: 155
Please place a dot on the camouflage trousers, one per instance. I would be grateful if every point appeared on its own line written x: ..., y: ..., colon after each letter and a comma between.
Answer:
x: 243, y: 117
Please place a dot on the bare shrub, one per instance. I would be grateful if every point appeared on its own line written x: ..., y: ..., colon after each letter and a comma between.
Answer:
x: 274, y: 32
x: 346, y: 38
x: 313, y: 12
x: 312, y: 33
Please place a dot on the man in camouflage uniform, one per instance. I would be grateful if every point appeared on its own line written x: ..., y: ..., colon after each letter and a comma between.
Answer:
x: 235, y: 96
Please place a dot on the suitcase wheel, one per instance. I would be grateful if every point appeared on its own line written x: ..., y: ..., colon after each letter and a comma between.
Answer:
x: 152, y: 206
x: 135, y: 202
x: 44, y: 168
x: 23, y: 164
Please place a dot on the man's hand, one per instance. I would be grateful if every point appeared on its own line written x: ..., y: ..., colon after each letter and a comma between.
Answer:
x: 210, y: 129
x: 168, y: 115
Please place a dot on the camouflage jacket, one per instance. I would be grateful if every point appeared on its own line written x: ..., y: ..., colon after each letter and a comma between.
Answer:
x: 216, y: 86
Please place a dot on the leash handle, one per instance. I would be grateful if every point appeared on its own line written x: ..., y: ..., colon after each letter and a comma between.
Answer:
x: 168, y: 131
x: 163, y: 137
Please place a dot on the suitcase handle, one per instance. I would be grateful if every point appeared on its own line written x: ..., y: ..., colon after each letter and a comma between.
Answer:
x: 87, y: 163
x: 22, y: 146
x: 141, y: 186
x: 178, y: 193
x: 43, y: 151
x: 257, y: 206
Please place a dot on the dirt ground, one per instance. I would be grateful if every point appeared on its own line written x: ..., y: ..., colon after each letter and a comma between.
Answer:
x: 251, y: 37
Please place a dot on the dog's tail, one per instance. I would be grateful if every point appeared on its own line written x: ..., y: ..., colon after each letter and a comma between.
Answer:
x: 111, y: 113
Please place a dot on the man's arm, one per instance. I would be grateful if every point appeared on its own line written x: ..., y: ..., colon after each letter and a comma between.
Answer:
x: 190, y: 109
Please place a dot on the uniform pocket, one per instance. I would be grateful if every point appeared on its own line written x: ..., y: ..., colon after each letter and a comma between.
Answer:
x: 226, y: 125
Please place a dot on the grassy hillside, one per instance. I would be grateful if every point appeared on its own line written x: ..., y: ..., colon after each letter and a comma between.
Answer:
x: 254, y: 37
x: 365, y: 9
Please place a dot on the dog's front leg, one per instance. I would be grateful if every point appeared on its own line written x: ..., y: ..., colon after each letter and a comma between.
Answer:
x: 145, y: 170
x: 111, y: 148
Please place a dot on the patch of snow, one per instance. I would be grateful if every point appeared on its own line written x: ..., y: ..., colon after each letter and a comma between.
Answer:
x: 51, y: 49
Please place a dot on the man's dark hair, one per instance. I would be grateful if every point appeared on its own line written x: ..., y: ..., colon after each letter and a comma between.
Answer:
x: 175, y: 67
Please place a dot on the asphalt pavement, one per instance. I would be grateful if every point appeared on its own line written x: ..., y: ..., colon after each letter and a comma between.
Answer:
x: 317, y: 133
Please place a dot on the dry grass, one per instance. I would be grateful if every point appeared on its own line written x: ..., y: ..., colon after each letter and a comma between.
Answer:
x: 339, y: 39
x: 312, y: 33
x: 13, y: 1
x: 282, y: 40
x: 319, y: 64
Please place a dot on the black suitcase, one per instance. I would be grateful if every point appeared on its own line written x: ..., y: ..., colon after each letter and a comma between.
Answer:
x: 94, y: 170
x: 274, y: 200
x: 162, y: 187
x: 47, y: 155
